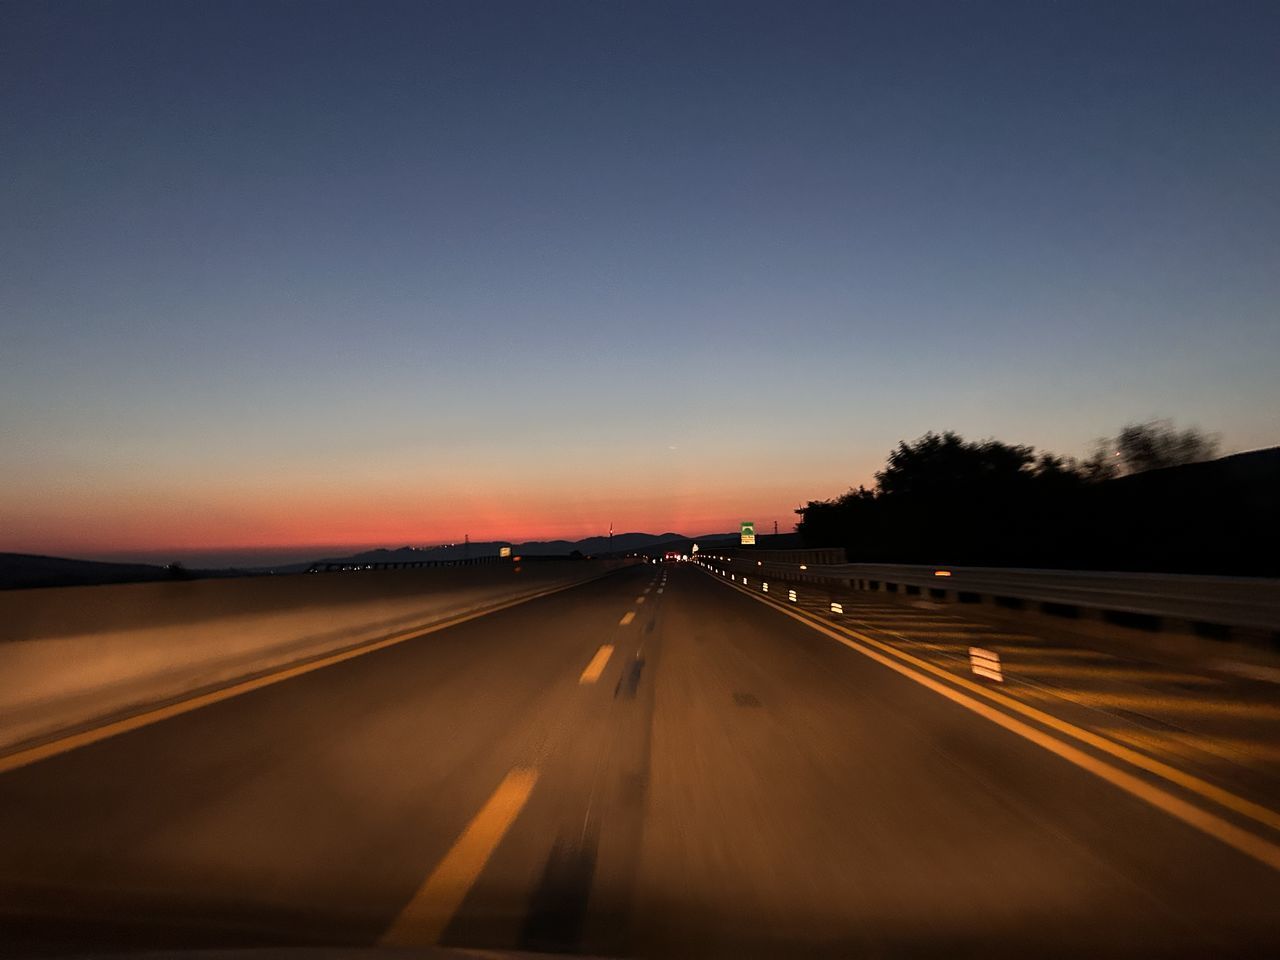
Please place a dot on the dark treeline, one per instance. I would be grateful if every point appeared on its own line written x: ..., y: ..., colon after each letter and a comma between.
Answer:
x: 1148, y: 499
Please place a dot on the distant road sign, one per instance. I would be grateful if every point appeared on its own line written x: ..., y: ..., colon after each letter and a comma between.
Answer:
x: 504, y: 551
x: 748, y: 533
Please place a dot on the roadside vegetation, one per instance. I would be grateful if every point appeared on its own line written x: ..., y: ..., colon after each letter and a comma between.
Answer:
x: 1153, y: 497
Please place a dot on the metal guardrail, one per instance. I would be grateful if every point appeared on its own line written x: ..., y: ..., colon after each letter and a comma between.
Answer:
x: 823, y: 555
x: 347, y: 566
x: 1146, y: 598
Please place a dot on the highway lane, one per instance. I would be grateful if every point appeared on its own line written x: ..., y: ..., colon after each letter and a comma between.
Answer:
x: 853, y: 811
x: 1195, y: 710
x: 651, y: 764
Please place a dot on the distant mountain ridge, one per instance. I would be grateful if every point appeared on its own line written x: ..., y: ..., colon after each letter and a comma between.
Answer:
x: 620, y: 543
x: 21, y: 570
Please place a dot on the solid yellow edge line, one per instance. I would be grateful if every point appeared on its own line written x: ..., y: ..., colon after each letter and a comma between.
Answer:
x: 1187, y: 781
x: 1247, y: 843
x: 425, y: 917
x: 29, y: 755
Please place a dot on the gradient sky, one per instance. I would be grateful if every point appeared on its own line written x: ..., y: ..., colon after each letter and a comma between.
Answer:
x: 300, y: 274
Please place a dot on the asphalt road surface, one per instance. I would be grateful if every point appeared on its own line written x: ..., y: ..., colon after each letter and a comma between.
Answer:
x: 662, y: 763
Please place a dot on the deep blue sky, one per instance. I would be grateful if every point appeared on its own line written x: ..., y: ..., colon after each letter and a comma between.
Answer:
x: 353, y: 273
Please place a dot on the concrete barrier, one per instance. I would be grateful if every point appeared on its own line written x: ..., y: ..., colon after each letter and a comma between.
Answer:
x: 73, y: 657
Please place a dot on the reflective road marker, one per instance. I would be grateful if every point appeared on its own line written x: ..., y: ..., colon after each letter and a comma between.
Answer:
x: 986, y: 663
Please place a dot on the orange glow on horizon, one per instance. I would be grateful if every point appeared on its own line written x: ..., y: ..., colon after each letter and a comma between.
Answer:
x: 393, y: 506
x: 178, y: 530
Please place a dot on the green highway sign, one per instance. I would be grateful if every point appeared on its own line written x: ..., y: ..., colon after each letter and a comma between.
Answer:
x: 748, y: 533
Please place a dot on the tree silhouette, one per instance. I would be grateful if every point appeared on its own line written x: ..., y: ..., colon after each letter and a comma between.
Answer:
x: 178, y: 571
x: 1157, y: 444
x: 1144, y: 499
x: 1150, y: 445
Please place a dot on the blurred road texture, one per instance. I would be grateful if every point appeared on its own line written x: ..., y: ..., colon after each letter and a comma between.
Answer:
x: 668, y: 762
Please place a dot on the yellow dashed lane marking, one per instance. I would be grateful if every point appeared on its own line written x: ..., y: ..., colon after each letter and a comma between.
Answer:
x: 596, y: 667
x: 425, y: 917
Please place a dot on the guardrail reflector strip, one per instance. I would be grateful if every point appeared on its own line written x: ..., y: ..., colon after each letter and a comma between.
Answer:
x: 986, y: 663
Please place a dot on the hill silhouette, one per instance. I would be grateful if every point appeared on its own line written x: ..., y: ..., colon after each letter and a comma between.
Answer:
x: 20, y: 571
x: 23, y: 570
x: 590, y: 546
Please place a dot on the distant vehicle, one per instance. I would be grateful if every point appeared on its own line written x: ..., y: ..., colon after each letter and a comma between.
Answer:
x: 671, y: 556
